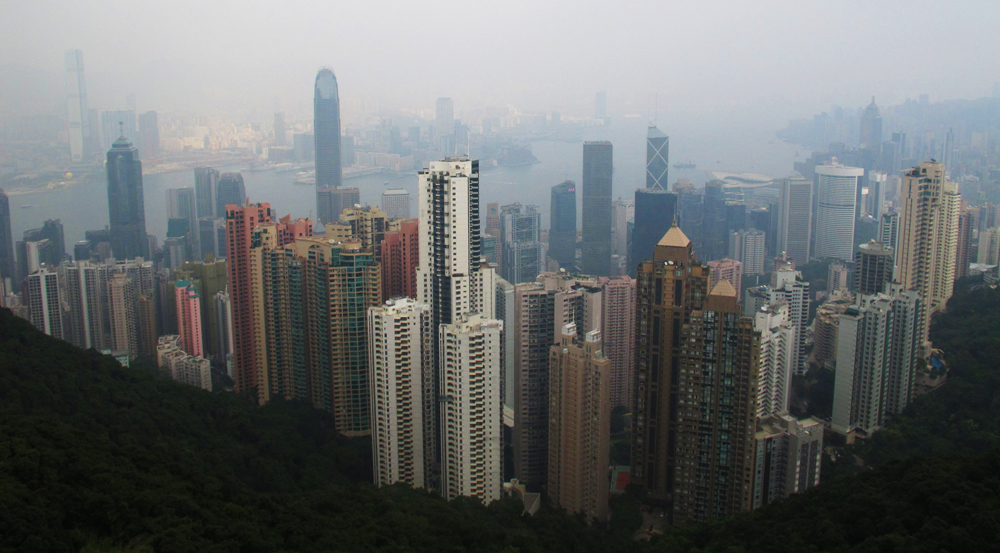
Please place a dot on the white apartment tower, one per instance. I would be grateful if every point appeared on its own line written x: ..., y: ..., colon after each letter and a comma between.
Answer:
x: 470, y: 369
x: 795, y: 221
x: 398, y: 360
x: 836, y: 210
x: 928, y: 237
x: 777, y: 348
x: 747, y: 247
x: 396, y: 203
x: 788, y: 287
x: 42, y: 298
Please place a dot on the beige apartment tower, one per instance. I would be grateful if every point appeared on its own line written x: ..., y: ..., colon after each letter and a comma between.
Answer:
x: 579, y: 424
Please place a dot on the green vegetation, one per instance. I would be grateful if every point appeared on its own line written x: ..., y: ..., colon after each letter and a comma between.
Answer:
x: 97, y: 457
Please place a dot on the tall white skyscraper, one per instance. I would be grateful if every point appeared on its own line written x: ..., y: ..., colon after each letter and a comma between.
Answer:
x: 928, y: 237
x: 777, y: 349
x: 461, y: 295
x: 877, y: 185
x: 795, y: 221
x: 788, y: 287
x: 624, y: 211
x: 878, y: 345
x: 399, y: 362
x: 42, y: 298
x: 836, y: 205
x: 470, y: 368
x: 87, y: 296
x: 78, y: 117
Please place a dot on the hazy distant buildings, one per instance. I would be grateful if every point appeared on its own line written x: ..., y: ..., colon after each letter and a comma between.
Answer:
x: 597, y: 176
x: 657, y: 158
x: 795, y: 220
x: 837, y: 189
x: 444, y: 125
x: 78, y: 115
x: 117, y: 123
x: 230, y: 191
x: 126, y: 208
x: 871, y: 127
x: 579, y: 424
x: 396, y: 203
x: 279, y: 129
x: 522, y: 250
x: 206, y: 186
x: 326, y: 132
x: 149, y: 134
x: 562, y: 225
x: 601, y: 105
x: 623, y: 213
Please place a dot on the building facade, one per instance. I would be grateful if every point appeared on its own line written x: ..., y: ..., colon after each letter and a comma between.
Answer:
x: 836, y: 205
x: 795, y: 221
x: 597, y: 176
x: 562, y: 225
x: 326, y: 134
x: 126, y: 208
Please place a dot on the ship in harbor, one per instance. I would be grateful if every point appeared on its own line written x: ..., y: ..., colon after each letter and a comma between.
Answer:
x: 686, y: 165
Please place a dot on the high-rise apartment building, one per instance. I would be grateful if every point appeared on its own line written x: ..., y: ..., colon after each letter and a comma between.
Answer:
x: 189, y: 318
x: 493, y: 229
x: 42, y: 298
x: 326, y: 134
x: 788, y: 456
x: 399, y: 360
x: 206, y: 186
x: 522, y: 251
x: 623, y: 212
x: 879, y: 343
x: 400, y: 255
x: 618, y: 333
x: 396, y: 203
x: 470, y: 373
x: 146, y: 322
x: 655, y: 209
x: 78, y: 115
x: 180, y: 366
x: 122, y: 309
x: 836, y: 205
x: 229, y: 191
x: 963, y: 255
x: 597, y: 176
x: 579, y: 424
x: 787, y: 286
x: 692, y: 345
x: 873, y: 267
x: 888, y: 233
x: 726, y: 269
x: 452, y: 280
x: 562, y: 225
x: 989, y: 246
x: 368, y: 224
x: 210, y: 278
x: 126, y: 207
x: 795, y: 221
x: 748, y: 247
x: 87, y: 297
x: 928, y: 236
x: 777, y: 342
x: 877, y: 189
x: 657, y: 159
x: 837, y: 278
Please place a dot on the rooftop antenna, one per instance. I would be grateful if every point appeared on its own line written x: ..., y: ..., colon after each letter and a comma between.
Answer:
x: 121, y: 129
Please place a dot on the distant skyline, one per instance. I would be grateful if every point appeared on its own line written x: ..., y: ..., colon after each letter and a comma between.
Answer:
x: 776, y: 60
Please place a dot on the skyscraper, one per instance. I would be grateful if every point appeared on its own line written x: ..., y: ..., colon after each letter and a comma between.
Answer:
x: 241, y: 220
x: 579, y: 424
x: 399, y: 360
x: 747, y: 247
x: 928, y: 235
x: 206, y: 186
x: 78, y: 116
x: 87, y: 296
x: 368, y: 224
x: 396, y: 203
x: 7, y: 261
x: 42, y: 298
x: 444, y: 125
x: 655, y: 209
x: 597, y: 175
x: 788, y: 457
x: 795, y: 220
x: 624, y: 211
x: 451, y: 278
x: 787, y: 286
x: 210, y: 278
x: 279, y: 129
x: 562, y: 225
x: 126, y: 208
x: 657, y: 158
x: 400, y: 256
x: 715, y: 235
x: 117, y: 123
x: 837, y: 190
x: 326, y: 132
x: 493, y: 229
x: 470, y: 371
x: 522, y: 249
x: 189, y: 317
x: 149, y: 134
x: 122, y: 315
x: 698, y: 344
x: 777, y: 340
x: 335, y: 200
x: 878, y: 345
x: 873, y: 267
x: 230, y: 191
x: 963, y: 255
x: 871, y: 127
x: 618, y: 333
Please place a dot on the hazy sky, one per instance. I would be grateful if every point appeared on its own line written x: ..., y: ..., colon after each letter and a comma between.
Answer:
x: 751, y: 59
